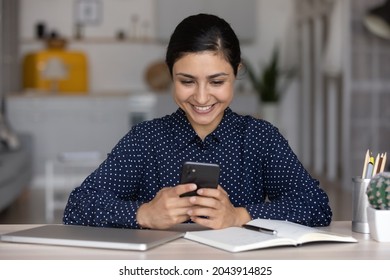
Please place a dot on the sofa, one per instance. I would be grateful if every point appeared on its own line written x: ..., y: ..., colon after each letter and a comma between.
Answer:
x: 15, y: 171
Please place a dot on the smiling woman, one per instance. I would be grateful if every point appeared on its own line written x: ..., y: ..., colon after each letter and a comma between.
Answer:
x: 203, y: 88
x: 138, y: 186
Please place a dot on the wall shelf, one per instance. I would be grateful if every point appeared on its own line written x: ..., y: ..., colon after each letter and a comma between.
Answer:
x: 97, y: 40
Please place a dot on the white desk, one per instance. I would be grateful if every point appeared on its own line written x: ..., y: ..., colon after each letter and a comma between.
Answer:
x: 182, y: 249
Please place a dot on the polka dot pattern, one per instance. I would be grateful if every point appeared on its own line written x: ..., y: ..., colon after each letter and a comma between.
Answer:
x: 258, y: 170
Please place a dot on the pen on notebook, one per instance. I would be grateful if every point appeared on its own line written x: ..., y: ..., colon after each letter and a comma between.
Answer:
x: 260, y: 229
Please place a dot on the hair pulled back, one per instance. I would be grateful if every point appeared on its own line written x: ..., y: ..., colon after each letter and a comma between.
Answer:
x: 200, y: 33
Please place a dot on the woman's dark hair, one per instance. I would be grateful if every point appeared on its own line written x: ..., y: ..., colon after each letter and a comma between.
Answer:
x: 204, y: 32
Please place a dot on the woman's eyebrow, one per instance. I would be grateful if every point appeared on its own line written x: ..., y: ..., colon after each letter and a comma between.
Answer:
x: 216, y: 75
x: 185, y: 75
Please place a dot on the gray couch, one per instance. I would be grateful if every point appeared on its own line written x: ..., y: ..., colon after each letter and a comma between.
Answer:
x: 15, y: 171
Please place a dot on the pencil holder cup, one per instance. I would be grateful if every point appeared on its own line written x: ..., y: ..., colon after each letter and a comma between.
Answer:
x: 359, y: 205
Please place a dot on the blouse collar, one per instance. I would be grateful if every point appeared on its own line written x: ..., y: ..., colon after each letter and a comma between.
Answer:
x: 184, y: 133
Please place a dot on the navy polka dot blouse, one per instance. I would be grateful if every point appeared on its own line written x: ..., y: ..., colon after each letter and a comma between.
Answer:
x: 258, y: 170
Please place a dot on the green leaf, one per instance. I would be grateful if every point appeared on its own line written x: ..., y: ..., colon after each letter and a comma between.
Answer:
x: 267, y: 83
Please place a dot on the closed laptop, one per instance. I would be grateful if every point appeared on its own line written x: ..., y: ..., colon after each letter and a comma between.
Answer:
x: 95, y: 237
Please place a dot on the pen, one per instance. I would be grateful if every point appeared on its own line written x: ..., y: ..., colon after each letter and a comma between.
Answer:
x: 260, y: 229
x: 370, y: 168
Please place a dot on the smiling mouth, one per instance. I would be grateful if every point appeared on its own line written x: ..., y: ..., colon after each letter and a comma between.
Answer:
x: 203, y: 109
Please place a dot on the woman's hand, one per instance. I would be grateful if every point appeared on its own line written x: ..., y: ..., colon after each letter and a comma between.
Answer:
x: 167, y: 208
x: 213, y: 209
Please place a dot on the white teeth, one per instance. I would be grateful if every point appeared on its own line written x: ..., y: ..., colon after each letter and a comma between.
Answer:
x: 202, y: 108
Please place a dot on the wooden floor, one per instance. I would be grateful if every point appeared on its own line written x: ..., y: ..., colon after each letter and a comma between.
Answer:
x: 29, y: 208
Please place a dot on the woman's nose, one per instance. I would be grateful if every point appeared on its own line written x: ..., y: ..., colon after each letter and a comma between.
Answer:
x: 201, y: 95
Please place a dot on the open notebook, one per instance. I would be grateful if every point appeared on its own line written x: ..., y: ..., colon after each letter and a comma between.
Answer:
x: 274, y: 233
x: 96, y: 237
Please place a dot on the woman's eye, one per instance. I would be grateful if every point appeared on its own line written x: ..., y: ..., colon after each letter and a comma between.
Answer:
x: 217, y: 83
x: 187, y: 82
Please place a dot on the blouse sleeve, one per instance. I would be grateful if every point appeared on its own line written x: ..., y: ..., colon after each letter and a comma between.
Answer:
x: 108, y: 196
x: 291, y: 193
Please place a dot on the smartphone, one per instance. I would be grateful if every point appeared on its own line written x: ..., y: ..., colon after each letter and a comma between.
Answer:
x: 204, y: 175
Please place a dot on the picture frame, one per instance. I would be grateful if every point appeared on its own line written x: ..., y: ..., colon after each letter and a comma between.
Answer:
x: 88, y: 12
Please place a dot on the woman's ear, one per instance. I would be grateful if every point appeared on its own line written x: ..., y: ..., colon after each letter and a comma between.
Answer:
x: 240, y: 68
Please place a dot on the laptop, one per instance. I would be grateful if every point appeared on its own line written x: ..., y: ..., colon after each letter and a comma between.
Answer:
x: 94, y: 237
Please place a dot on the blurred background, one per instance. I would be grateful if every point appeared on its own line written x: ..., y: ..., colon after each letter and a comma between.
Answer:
x: 75, y: 75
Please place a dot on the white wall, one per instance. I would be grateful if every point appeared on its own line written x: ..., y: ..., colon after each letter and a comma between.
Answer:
x: 275, y: 27
x: 118, y: 66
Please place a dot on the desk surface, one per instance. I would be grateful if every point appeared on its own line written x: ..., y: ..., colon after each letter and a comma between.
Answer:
x: 365, y: 249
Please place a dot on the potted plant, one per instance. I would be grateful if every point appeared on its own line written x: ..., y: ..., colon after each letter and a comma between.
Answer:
x: 378, y: 212
x: 270, y: 84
